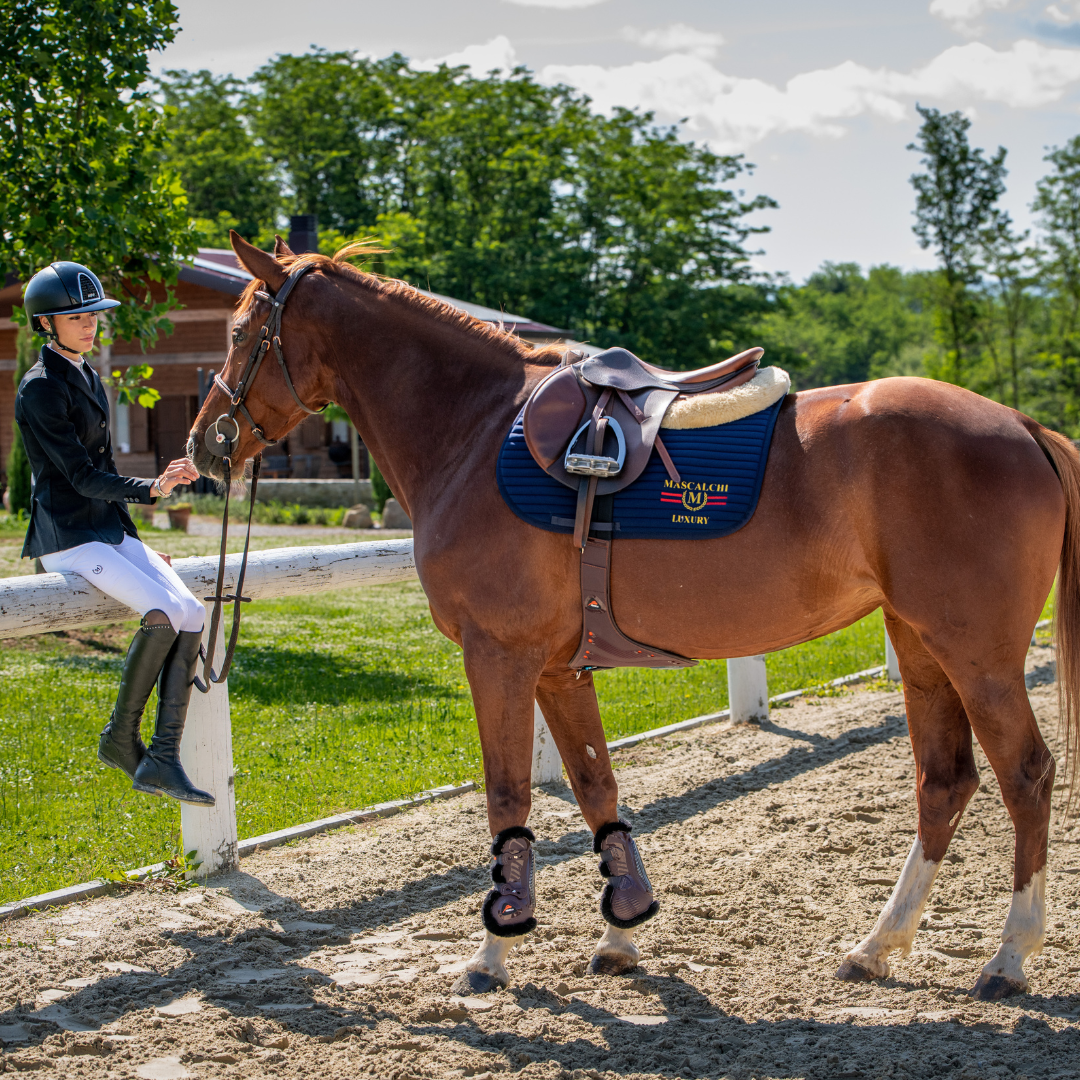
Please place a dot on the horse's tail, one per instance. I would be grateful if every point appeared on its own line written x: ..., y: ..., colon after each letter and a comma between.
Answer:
x: 1064, y: 458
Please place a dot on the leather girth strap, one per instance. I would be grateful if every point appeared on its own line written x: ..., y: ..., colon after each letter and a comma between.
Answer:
x: 603, y: 644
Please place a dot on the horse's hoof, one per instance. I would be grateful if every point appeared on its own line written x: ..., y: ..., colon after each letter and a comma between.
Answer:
x: 849, y: 971
x: 611, y: 965
x: 995, y: 987
x: 475, y: 982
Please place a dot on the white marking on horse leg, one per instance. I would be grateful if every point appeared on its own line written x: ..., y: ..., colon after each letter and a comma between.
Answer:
x: 490, y: 958
x: 1023, y: 933
x: 616, y: 952
x: 899, y: 919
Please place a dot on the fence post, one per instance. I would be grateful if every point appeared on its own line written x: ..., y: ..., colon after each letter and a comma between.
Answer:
x: 892, y: 665
x: 748, y: 689
x: 206, y: 753
x: 546, y: 762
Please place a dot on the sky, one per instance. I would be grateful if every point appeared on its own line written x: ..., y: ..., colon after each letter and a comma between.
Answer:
x: 819, y: 95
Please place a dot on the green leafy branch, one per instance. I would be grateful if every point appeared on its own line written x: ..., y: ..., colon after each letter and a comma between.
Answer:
x: 174, y: 875
x: 131, y: 388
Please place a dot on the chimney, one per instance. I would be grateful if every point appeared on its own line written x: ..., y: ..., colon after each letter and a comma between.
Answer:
x: 304, y: 233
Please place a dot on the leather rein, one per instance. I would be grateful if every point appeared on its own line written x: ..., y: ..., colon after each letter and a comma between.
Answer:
x: 221, y: 445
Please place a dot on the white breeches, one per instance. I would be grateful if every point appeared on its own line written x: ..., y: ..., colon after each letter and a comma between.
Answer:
x: 133, y: 574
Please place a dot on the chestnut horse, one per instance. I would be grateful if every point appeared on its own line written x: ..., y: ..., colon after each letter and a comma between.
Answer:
x: 947, y: 510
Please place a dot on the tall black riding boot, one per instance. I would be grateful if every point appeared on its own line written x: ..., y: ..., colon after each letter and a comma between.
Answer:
x: 120, y: 746
x: 160, y: 772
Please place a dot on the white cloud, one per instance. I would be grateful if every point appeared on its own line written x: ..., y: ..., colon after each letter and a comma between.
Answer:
x: 963, y: 13
x: 561, y: 4
x: 678, y: 37
x: 734, y: 112
x: 1065, y: 13
x: 498, y: 54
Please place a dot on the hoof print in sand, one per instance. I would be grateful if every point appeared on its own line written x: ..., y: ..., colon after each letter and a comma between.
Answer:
x: 849, y: 971
x: 995, y: 988
x: 475, y: 982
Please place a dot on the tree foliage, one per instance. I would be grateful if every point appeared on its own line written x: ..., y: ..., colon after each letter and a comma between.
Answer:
x: 498, y: 190
x: 81, y: 143
x: 843, y: 326
x: 229, y: 181
x: 18, y: 464
x: 955, y: 200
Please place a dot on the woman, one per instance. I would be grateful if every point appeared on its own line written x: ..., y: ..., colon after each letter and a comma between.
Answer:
x: 79, y: 524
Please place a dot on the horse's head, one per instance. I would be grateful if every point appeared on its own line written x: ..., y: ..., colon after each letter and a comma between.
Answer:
x: 251, y: 403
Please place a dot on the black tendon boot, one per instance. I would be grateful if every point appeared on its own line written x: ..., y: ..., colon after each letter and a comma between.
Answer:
x: 120, y: 746
x: 628, y: 898
x: 160, y: 772
x: 508, y: 908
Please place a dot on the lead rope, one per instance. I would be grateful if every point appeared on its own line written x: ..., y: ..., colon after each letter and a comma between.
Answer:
x: 209, y: 675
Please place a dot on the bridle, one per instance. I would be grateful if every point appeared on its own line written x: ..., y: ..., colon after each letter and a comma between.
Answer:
x: 217, y: 442
x: 221, y: 445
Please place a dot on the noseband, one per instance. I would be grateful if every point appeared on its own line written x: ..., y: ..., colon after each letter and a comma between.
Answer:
x: 221, y: 445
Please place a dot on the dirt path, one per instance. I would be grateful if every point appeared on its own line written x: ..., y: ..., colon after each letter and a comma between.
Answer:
x: 771, y: 850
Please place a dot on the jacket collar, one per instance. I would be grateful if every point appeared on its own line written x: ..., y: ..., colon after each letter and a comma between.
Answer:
x: 63, y: 367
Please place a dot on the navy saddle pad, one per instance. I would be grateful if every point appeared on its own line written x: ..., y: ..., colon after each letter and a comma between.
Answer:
x: 721, y: 469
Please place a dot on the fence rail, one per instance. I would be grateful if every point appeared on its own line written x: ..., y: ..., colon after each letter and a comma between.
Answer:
x: 49, y: 602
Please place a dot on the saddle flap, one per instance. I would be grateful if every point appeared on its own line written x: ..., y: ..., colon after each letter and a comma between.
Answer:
x: 553, y: 413
x: 557, y: 430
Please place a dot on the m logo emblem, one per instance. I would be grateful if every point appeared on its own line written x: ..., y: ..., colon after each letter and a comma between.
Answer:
x: 694, y: 500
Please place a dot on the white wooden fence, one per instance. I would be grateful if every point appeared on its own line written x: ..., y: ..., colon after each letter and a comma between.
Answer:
x: 48, y: 602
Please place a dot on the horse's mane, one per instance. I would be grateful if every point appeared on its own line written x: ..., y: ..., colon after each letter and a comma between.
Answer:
x: 339, y: 266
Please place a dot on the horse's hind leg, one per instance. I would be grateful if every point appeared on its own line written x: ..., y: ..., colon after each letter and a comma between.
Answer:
x: 945, y: 779
x: 570, y: 708
x: 1009, y: 735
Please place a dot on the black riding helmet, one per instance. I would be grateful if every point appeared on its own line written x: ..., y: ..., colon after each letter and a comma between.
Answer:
x: 63, y: 288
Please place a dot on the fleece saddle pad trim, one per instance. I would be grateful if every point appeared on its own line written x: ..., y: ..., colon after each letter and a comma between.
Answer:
x: 721, y: 470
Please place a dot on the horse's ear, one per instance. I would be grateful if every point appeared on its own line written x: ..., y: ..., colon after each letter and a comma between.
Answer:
x: 260, y: 264
x: 281, y: 248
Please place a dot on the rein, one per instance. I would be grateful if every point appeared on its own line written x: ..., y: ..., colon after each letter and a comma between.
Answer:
x: 220, y: 445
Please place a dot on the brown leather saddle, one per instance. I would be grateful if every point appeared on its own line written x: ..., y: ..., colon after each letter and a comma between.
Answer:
x: 593, y: 425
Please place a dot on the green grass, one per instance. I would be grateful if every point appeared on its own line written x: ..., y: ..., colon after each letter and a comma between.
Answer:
x: 339, y: 700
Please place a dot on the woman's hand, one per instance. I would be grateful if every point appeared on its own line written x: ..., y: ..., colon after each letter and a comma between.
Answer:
x: 167, y: 559
x: 180, y: 471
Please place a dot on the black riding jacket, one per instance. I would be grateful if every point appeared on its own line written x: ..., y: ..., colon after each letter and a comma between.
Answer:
x: 78, y: 496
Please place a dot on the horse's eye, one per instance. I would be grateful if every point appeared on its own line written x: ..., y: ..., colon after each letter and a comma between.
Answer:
x: 238, y: 335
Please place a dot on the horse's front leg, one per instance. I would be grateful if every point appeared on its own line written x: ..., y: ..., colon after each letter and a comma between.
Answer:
x: 503, y: 687
x: 570, y: 708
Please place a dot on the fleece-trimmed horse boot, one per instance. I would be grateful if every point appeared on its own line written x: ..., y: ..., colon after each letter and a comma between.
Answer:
x: 120, y: 746
x: 507, y: 912
x: 508, y: 908
x: 160, y: 772
x: 627, y: 900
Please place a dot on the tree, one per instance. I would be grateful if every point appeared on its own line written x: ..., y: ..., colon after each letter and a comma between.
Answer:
x: 1057, y: 205
x: 1007, y: 303
x: 81, y: 170
x: 519, y: 196
x: 228, y: 177
x: 1057, y: 208
x: 18, y: 464
x: 843, y: 326
x: 955, y: 199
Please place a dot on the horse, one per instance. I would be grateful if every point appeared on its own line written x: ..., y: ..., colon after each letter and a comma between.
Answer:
x: 949, y: 511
